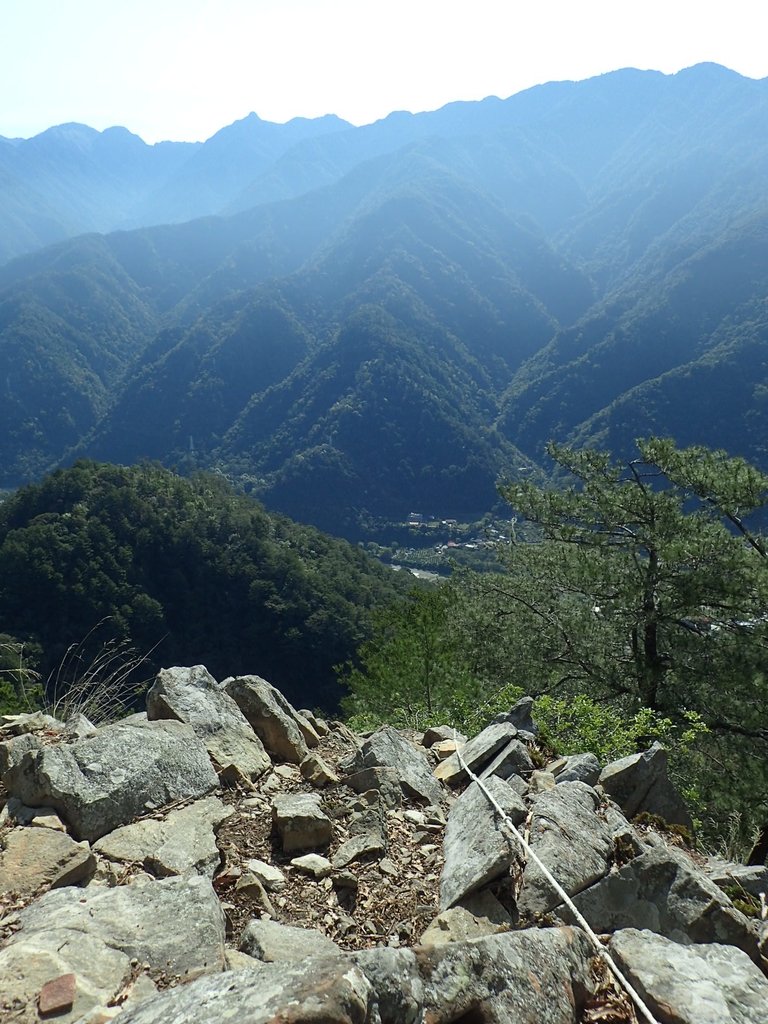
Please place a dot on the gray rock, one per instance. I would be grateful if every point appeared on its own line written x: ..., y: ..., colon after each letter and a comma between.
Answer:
x: 661, y: 891
x: 251, y: 888
x: 270, y: 716
x: 753, y: 879
x: 313, y: 864
x: 13, y: 749
x: 696, y: 984
x: 321, y: 990
x: 520, y: 716
x: 579, y: 768
x: 477, y: 846
x: 300, y: 822
x: 193, y: 696
x: 308, y: 731
x: 273, y: 942
x: 270, y: 877
x: 318, y: 724
x: 176, y: 926
x: 530, y: 977
x: 125, y: 770
x: 316, y: 771
x: 17, y: 813
x: 571, y: 840
x: 28, y: 965
x: 478, y: 915
x: 640, y: 783
x: 27, y: 722
x: 33, y: 857
x: 370, y: 837
x: 438, y: 733
x: 541, y: 781
x: 513, y: 759
x: 476, y: 754
x: 78, y: 727
x: 183, y: 841
x: 384, y: 781
x: 386, y: 748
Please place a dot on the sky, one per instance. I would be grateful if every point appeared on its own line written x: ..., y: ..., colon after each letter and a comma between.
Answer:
x: 183, y: 69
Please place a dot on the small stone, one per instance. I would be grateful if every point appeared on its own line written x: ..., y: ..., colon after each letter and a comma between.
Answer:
x: 300, y: 821
x: 439, y: 734
x: 444, y: 749
x: 313, y: 864
x: 57, y: 995
x: 317, y: 772
x: 388, y: 867
x: 249, y: 886
x: 541, y: 782
x: 269, y: 876
x: 344, y: 880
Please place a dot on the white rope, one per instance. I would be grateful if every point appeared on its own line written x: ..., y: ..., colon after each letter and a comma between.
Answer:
x: 531, y: 853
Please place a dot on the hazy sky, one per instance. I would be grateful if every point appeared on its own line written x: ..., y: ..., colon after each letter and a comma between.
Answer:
x: 182, y: 69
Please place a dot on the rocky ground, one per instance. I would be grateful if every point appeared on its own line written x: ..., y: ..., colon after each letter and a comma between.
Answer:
x: 225, y: 856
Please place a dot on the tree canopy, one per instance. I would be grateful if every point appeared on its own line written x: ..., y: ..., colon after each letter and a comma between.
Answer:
x: 638, y: 586
x: 185, y: 571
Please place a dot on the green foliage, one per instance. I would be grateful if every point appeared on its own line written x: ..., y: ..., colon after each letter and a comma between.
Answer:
x: 185, y: 572
x: 634, y: 611
x: 579, y: 723
x: 414, y: 672
x: 20, y: 688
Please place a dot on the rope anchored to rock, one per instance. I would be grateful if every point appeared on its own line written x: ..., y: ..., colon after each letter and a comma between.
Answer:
x: 531, y: 853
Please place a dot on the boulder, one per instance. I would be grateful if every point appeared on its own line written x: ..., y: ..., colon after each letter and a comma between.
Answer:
x: 513, y: 759
x: 175, y: 926
x: 321, y: 990
x: 35, y: 857
x: 662, y: 891
x: 478, y: 847
x: 751, y: 878
x: 14, y: 748
x: 270, y: 716
x: 579, y: 768
x: 640, y: 783
x: 125, y: 770
x: 183, y: 841
x: 571, y: 840
x: 538, y: 976
x: 273, y: 942
x: 520, y: 715
x: 383, y: 781
x: 386, y: 748
x: 193, y: 696
x: 478, y: 915
x: 476, y: 754
x: 318, y: 724
x: 441, y: 733
x: 300, y: 822
x: 695, y: 984
x: 308, y: 731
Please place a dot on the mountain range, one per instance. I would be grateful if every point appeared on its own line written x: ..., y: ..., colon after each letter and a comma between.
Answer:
x: 357, y: 322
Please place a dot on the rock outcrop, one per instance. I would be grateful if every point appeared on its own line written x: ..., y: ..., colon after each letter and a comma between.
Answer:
x: 232, y: 858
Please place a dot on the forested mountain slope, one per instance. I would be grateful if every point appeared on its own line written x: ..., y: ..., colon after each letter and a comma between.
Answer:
x: 182, y: 570
x: 400, y: 314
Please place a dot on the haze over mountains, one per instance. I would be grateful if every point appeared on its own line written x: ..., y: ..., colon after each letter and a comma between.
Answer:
x: 363, y: 321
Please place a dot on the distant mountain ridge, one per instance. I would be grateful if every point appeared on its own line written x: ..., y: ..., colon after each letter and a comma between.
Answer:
x: 392, y: 317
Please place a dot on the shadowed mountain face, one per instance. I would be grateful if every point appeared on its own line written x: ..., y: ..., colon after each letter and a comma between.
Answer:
x: 395, y: 316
